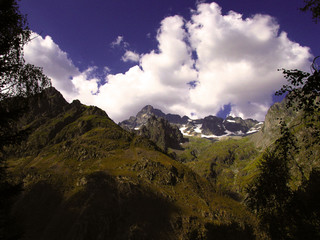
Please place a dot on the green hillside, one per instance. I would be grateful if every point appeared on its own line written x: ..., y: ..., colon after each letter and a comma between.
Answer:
x: 228, y: 164
x: 84, y: 177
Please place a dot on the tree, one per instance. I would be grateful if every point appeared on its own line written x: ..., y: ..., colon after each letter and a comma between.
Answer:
x: 17, y: 79
x: 269, y: 194
x: 304, y: 211
x: 314, y: 7
x: 285, y: 213
x: 303, y: 89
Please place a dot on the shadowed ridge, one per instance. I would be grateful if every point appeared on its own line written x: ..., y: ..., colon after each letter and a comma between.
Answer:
x: 83, y: 175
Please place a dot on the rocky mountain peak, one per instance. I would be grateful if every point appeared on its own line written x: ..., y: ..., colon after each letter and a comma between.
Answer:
x: 213, y: 125
x: 210, y: 126
x: 161, y: 132
x: 147, y: 108
x: 145, y: 113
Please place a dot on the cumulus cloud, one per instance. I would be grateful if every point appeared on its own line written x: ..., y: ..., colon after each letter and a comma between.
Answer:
x: 199, y: 66
x: 160, y: 79
x: 56, y: 64
x: 45, y: 53
x: 130, y: 56
x: 238, y: 60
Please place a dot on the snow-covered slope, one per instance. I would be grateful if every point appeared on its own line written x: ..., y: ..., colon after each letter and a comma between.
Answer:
x: 208, y: 127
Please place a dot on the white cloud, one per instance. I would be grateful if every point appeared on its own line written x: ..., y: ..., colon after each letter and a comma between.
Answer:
x: 130, y: 56
x: 65, y: 77
x: 160, y: 79
x: 237, y: 61
x: 45, y: 53
x: 119, y: 41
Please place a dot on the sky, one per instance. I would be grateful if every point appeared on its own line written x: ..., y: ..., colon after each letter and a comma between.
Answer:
x: 194, y: 58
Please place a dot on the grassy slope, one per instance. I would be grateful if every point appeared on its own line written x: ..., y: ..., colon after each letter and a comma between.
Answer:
x: 229, y: 163
x: 86, y: 178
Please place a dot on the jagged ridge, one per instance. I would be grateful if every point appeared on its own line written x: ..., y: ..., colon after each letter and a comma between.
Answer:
x: 210, y: 126
x: 87, y: 178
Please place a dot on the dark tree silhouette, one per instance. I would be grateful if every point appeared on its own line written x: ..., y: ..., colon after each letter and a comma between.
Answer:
x: 269, y: 194
x: 304, y: 209
x: 303, y: 88
x: 17, y: 79
x: 314, y: 7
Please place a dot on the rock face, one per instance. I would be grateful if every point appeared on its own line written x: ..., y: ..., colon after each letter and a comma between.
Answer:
x: 161, y: 132
x: 213, y: 125
x: 270, y: 130
x: 209, y: 127
x: 237, y: 124
x: 84, y: 177
x: 145, y: 113
x: 303, y: 131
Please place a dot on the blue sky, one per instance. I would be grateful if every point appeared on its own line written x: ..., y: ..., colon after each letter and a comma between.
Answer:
x: 123, y: 54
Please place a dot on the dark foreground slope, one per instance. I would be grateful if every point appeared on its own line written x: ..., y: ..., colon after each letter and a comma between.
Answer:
x: 84, y: 177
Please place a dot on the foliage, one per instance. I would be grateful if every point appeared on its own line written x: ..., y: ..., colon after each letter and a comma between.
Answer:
x: 269, y: 193
x: 303, y: 89
x: 314, y: 7
x: 305, y: 209
x: 292, y: 212
x: 303, y: 94
x: 16, y: 77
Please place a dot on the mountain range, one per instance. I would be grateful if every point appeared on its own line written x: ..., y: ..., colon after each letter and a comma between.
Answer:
x: 153, y: 176
x: 208, y: 127
x: 84, y: 177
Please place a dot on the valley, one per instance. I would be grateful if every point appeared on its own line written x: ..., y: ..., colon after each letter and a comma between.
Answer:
x: 84, y: 176
x: 68, y: 171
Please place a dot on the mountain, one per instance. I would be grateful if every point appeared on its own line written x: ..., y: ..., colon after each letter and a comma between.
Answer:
x: 223, y: 164
x: 231, y: 163
x: 270, y: 130
x: 162, y: 133
x: 85, y: 177
x: 208, y: 127
x: 304, y: 130
x: 146, y: 112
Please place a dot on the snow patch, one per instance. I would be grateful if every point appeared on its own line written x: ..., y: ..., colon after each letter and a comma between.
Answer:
x: 182, y: 130
x: 256, y: 128
x: 209, y: 136
x: 198, y: 128
x: 253, y: 131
